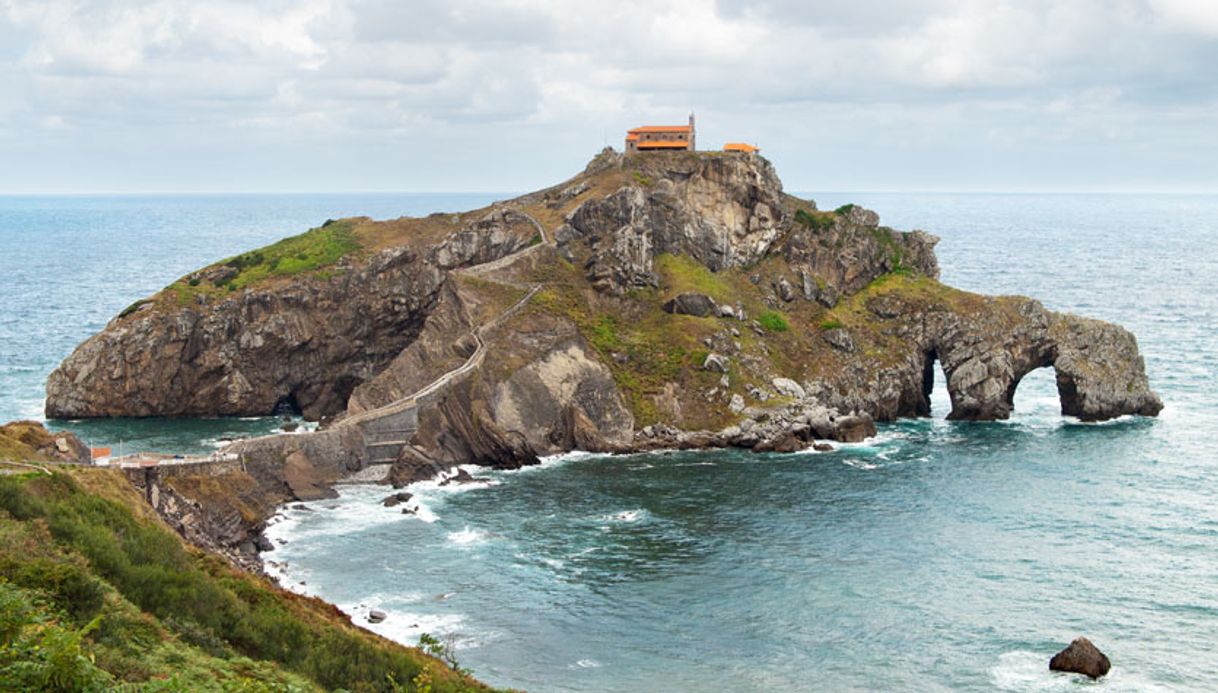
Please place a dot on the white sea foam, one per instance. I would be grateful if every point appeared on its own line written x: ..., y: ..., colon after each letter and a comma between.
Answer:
x: 1024, y: 670
x: 468, y: 537
x: 585, y: 664
x: 626, y: 516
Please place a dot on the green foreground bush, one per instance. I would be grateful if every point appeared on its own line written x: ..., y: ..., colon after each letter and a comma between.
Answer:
x: 92, y: 596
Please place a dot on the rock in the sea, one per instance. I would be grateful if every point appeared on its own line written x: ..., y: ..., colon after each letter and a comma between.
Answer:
x: 376, y: 616
x: 855, y: 428
x: 463, y: 477
x: 1081, y: 657
x: 699, y: 305
x: 822, y: 447
x: 396, y: 499
x: 716, y: 362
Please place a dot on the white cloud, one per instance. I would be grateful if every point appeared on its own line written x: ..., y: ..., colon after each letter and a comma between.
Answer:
x: 386, y: 77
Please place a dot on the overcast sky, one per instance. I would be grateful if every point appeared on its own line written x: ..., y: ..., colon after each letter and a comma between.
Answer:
x: 471, y: 95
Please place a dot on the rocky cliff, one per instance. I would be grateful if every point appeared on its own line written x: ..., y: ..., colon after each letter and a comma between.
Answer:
x: 673, y: 299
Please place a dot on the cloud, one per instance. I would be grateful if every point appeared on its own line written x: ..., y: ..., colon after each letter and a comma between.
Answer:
x: 217, y: 78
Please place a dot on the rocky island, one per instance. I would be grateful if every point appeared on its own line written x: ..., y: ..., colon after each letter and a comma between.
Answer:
x: 655, y: 300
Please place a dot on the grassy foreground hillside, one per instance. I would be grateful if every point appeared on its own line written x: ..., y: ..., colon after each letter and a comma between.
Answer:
x: 97, y: 594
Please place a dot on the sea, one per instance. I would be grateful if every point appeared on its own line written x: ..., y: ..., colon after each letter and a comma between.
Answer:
x: 938, y: 556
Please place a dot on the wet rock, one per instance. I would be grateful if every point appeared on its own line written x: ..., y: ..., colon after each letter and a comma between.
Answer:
x: 1081, y: 657
x: 376, y: 616
x: 698, y: 305
x: 463, y: 477
x: 785, y: 441
x: 854, y: 428
x: 822, y: 447
x: 396, y: 499
x: 262, y: 543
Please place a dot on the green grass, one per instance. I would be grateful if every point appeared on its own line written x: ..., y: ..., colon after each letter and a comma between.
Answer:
x: 681, y: 274
x: 94, y: 594
x: 134, y: 307
x: 845, y: 209
x: 308, y: 251
x: 773, y: 321
x: 831, y: 324
x: 816, y: 221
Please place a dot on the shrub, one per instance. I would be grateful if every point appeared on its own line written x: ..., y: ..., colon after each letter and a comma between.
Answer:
x: 773, y: 321
x: 816, y: 221
x: 845, y: 209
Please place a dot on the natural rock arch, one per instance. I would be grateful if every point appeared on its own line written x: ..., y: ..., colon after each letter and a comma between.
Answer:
x: 1099, y: 371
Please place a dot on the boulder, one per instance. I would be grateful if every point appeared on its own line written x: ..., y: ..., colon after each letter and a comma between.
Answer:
x: 463, y: 477
x: 396, y: 499
x: 736, y: 404
x: 785, y: 291
x: 785, y: 441
x: 854, y: 428
x: 376, y: 616
x: 839, y: 339
x: 699, y: 305
x: 788, y: 388
x: 716, y: 362
x: 1081, y: 657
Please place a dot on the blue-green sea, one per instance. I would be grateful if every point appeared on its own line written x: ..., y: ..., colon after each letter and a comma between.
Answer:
x: 938, y: 556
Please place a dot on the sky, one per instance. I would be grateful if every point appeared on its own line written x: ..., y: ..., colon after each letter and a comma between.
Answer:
x: 105, y: 96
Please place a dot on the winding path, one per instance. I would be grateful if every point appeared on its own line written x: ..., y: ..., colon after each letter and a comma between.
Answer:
x: 388, y: 450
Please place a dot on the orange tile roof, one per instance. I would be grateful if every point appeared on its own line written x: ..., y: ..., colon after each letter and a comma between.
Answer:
x: 740, y: 147
x: 660, y: 128
x: 631, y: 138
x: 99, y: 452
x: 664, y: 144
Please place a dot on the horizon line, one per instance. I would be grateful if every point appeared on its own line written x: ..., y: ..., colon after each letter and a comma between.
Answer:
x: 883, y: 191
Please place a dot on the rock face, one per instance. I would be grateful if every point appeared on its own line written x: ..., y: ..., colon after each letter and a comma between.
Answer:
x: 1081, y: 657
x: 303, y: 344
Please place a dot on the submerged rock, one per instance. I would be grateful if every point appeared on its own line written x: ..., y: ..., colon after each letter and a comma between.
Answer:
x: 1081, y: 657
